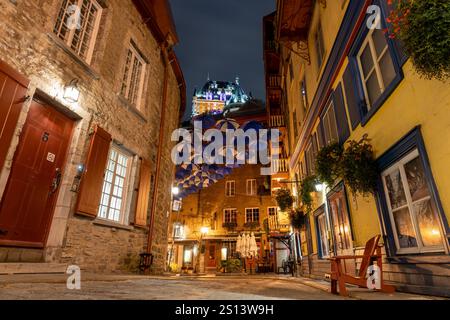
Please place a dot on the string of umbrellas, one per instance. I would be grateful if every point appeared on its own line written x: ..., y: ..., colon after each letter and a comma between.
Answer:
x: 191, y: 177
x: 246, y: 245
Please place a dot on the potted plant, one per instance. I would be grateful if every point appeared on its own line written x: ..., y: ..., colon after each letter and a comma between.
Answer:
x: 284, y: 199
x: 298, y: 219
x: 355, y: 164
x: 252, y: 225
x: 423, y: 30
x: 229, y: 225
x: 359, y: 168
x: 328, y: 163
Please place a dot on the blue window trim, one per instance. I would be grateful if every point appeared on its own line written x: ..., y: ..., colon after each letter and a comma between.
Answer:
x: 412, y: 140
x: 393, y: 49
x: 317, y: 213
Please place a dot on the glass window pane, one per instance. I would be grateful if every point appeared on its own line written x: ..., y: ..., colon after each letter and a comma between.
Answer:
x: 417, y: 183
x: 373, y: 88
x: 387, y: 69
x: 367, y: 61
x: 428, y: 225
x: 379, y: 41
x: 397, y: 196
x: 405, y: 230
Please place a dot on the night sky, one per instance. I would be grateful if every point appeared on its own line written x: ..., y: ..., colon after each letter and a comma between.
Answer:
x: 222, y: 38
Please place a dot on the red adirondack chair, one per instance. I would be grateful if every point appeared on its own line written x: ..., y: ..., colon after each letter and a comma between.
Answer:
x: 339, y: 277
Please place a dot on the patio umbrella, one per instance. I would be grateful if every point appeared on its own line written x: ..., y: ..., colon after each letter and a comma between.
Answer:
x: 239, y: 244
x: 253, y: 248
x: 227, y: 124
x: 247, y: 245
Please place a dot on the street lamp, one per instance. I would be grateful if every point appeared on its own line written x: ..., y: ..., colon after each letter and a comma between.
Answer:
x: 71, y: 91
x: 204, y: 231
x: 175, y: 191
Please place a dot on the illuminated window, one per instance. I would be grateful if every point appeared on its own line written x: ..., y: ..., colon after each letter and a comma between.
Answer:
x: 412, y: 210
x: 230, y: 216
x: 114, y: 192
x: 178, y: 231
x: 252, y: 215
x: 77, y: 25
x: 133, y: 77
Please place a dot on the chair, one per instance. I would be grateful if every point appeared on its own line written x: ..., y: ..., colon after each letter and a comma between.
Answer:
x: 339, y: 277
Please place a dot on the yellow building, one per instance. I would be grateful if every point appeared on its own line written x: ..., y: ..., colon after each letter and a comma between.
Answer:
x: 341, y: 81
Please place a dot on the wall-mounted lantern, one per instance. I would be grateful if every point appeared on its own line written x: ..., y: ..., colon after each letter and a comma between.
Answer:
x: 71, y: 91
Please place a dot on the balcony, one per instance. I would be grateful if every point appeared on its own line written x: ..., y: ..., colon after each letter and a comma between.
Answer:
x: 276, y: 226
x: 280, y: 166
x: 293, y: 24
x: 277, y: 121
x: 274, y: 82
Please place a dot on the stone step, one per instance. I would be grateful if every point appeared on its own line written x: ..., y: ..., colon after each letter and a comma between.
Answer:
x: 32, y: 268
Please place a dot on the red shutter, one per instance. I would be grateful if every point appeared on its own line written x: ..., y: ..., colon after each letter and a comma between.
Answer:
x: 13, y: 88
x: 92, y: 180
x: 144, y: 194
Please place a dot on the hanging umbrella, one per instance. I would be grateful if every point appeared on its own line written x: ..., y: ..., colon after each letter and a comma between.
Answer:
x: 255, y: 125
x: 207, y: 121
x: 227, y: 124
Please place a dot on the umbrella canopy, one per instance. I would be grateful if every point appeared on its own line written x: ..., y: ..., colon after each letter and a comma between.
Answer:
x: 227, y: 124
x: 255, y: 125
x: 207, y: 121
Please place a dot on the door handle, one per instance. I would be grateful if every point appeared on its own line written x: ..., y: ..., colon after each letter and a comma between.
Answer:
x: 3, y: 232
x: 56, y: 181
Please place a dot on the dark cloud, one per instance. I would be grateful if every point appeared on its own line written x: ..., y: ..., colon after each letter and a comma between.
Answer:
x: 222, y: 38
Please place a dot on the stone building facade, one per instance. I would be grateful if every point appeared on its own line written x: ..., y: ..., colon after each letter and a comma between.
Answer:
x: 222, y: 213
x: 131, y: 89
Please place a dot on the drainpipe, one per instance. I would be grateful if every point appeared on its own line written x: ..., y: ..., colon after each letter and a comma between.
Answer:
x: 160, y: 146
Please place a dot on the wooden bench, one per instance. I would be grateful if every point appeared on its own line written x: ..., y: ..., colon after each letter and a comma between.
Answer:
x: 339, y: 276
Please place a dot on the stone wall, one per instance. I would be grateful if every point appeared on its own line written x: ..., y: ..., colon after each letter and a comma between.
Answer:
x: 28, y: 45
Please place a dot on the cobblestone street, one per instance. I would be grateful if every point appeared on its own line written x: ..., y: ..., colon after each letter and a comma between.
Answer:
x: 141, y: 288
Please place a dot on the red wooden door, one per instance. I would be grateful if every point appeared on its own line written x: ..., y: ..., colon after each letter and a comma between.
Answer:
x: 28, y: 202
x: 13, y: 88
x: 211, y: 254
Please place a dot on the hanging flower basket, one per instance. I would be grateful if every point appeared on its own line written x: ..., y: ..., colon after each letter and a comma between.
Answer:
x: 284, y: 199
x: 355, y: 164
x: 423, y: 27
x: 298, y: 219
x: 328, y: 163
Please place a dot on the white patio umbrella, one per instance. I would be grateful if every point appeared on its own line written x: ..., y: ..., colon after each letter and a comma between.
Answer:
x: 247, y: 245
x: 253, y: 246
x: 239, y: 244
